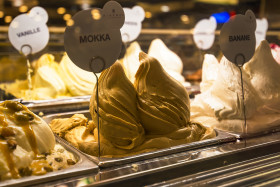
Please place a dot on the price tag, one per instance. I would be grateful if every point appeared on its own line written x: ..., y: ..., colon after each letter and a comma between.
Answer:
x: 262, y: 26
x: 133, y: 23
x: 204, y: 33
x: 237, y: 38
x: 93, y: 41
x: 29, y: 33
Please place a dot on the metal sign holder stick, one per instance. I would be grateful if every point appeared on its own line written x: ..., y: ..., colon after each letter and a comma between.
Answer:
x: 239, y: 65
x: 97, y: 98
x: 28, y: 57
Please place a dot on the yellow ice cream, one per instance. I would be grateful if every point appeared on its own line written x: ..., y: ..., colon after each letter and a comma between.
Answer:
x: 46, y: 82
x: 26, y: 142
x: 79, y: 82
x: 153, y: 116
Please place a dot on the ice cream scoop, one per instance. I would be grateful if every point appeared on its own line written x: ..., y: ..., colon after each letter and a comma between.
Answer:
x: 170, y: 61
x: 151, y: 115
x: 78, y: 81
x: 221, y: 104
x: 119, y: 119
x: 163, y: 103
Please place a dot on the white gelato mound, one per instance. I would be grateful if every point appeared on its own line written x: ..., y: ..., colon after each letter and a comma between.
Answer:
x: 220, y: 103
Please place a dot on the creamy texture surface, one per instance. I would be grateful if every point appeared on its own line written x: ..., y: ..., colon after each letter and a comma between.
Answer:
x: 221, y: 104
x: 130, y: 60
x: 210, y: 65
x: 78, y: 81
x: 53, y: 80
x: 151, y: 115
x: 25, y: 140
x: 170, y: 61
x: 46, y: 82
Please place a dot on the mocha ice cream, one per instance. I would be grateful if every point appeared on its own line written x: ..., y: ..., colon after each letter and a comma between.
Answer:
x: 151, y: 114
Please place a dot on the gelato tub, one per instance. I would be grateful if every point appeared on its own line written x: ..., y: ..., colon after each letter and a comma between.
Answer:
x: 221, y: 137
x: 83, y: 166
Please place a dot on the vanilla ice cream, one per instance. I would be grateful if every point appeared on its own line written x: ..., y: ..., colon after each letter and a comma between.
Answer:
x: 46, y: 82
x: 221, y: 106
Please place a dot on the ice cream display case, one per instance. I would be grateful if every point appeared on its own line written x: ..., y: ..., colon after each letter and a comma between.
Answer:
x: 173, y: 110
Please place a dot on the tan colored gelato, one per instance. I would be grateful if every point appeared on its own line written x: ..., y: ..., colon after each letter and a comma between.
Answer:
x: 220, y: 105
x: 151, y: 115
x: 26, y: 143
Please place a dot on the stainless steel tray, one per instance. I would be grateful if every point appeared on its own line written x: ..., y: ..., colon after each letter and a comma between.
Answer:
x: 251, y: 135
x: 222, y: 137
x: 57, y: 105
x: 83, y: 166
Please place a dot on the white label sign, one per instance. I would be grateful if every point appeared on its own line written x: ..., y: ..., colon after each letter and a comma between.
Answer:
x: 93, y: 42
x: 237, y: 38
x: 204, y: 33
x: 29, y: 33
x: 133, y: 23
x: 262, y: 26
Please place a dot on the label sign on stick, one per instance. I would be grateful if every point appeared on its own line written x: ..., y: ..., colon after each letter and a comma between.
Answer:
x: 237, y: 38
x: 204, y: 33
x: 29, y: 33
x: 262, y: 26
x: 93, y: 41
x: 133, y: 23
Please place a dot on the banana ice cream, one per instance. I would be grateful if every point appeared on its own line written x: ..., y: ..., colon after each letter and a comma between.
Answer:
x: 210, y: 64
x: 220, y: 105
x: 152, y: 114
x: 27, y: 144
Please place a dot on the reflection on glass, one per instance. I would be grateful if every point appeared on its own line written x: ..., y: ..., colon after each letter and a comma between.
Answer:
x: 1, y: 14
x: 185, y: 19
x: 61, y: 10
x: 148, y: 14
x: 23, y: 8
x: 95, y: 14
x: 8, y: 19
x: 69, y: 22
x: 165, y: 8
x: 66, y: 17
